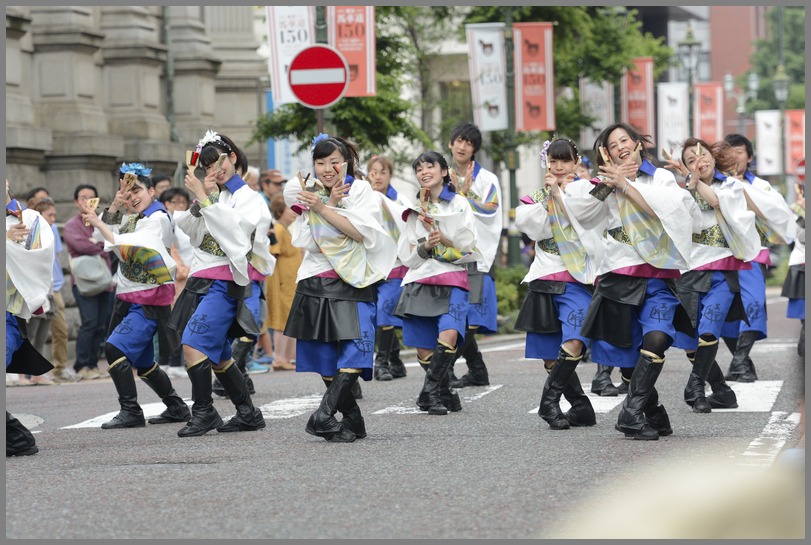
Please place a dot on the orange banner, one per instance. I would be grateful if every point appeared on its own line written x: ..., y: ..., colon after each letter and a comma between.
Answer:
x: 534, y: 77
x: 351, y: 30
x: 637, y: 98
x: 708, y: 102
x: 795, y: 139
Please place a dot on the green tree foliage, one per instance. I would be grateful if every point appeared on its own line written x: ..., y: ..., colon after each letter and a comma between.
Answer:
x: 766, y: 58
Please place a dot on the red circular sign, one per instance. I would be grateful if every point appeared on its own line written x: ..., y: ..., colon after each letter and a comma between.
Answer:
x: 318, y: 76
x: 801, y: 169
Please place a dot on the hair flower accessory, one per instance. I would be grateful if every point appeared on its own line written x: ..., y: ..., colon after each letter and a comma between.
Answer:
x: 543, y: 153
x: 208, y: 138
x: 320, y: 137
x: 136, y: 168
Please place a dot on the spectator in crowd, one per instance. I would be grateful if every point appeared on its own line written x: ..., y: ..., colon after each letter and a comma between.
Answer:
x: 280, y: 287
x: 95, y: 311
x: 270, y: 183
x: 161, y: 182
x: 251, y: 177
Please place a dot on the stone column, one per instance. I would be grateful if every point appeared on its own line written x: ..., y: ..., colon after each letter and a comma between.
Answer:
x: 134, y: 61
x: 195, y: 71
x: 243, y: 77
x: 67, y: 91
x: 26, y: 143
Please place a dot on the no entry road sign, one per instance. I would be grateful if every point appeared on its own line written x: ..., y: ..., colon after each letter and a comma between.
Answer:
x: 319, y: 76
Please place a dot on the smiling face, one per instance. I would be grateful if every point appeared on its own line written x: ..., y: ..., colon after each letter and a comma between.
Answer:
x: 226, y: 170
x: 326, y: 168
x: 621, y: 146
x: 430, y: 176
x: 380, y: 176
x: 704, y: 162
x: 139, y: 197
x: 741, y: 159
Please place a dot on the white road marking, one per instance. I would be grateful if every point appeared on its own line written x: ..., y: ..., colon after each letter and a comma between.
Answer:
x: 413, y: 409
x: 150, y: 410
x: 758, y: 396
x: 291, y: 408
x: 762, y: 451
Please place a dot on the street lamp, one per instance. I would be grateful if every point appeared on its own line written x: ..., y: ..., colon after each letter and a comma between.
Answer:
x: 780, y: 82
x: 753, y: 84
x: 689, y: 50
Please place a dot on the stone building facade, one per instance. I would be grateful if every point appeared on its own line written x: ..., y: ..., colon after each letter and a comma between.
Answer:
x: 88, y: 87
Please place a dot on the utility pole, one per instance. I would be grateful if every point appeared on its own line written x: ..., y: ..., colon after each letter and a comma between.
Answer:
x: 511, y: 154
x: 322, y: 120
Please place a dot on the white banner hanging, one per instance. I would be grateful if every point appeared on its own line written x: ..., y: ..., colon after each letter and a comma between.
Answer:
x: 290, y: 29
x: 597, y: 102
x: 487, y: 64
x: 767, y: 143
x: 672, y: 117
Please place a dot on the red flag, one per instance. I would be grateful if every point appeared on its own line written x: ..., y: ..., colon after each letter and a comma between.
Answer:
x: 794, y: 139
x: 351, y: 30
x: 534, y: 77
x: 707, y: 111
x: 636, y: 94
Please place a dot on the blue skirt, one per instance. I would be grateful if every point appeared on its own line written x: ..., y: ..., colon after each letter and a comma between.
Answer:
x: 713, y: 307
x: 484, y: 314
x: 388, y: 293
x: 423, y: 331
x: 208, y: 328
x: 134, y: 337
x: 753, y: 296
x: 14, y: 337
x: 571, y: 306
x: 325, y: 358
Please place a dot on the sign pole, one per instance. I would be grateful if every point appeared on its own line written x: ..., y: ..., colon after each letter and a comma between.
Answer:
x: 322, y: 120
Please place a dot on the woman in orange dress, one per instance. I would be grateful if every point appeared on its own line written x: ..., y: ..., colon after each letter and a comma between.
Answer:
x: 281, y: 285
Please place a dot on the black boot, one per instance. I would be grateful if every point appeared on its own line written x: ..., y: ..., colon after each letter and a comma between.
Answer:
x: 240, y: 353
x: 204, y: 417
x: 449, y: 397
x: 656, y: 415
x: 352, y: 421
x: 695, y: 390
x: 601, y: 383
x: 19, y: 440
x: 384, y: 344
x: 322, y: 422
x: 436, y: 373
x: 476, y: 369
x: 130, y: 415
x: 741, y: 367
x: 801, y: 342
x: 356, y: 391
x: 631, y: 420
x: 176, y: 409
x: 560, y: 372
x: 722, y: 397
x: 396, y: 365
x: 422, y: 399
x: 248, y: 417
x: 582, y: 412
x: 625, y: 380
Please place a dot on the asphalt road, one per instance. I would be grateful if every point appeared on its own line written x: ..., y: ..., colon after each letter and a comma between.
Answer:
x: 494, y: 470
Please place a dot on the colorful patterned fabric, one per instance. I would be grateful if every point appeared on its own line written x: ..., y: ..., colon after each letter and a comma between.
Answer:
x: 14, y: 300
x: 34, y: 239
x: 737, y: 249
x: 388, y: 223
x: 568, y: 242
x: 648, y: 236
x: 144, y: 265
x: 487, y: 205
x: 347, y: 257
x: 712, y: 236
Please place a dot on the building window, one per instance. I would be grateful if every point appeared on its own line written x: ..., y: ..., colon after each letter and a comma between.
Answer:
x: 455, y: 104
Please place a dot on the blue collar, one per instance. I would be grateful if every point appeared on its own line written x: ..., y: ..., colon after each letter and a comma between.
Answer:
x: 154, y: 207
x: 447, y: 194
x: 749, y: 175
x: 391, y: 193
x: 476, y: 168
x: 647, y: 168
x: 720, y: 176
x: 234, y: 183
x: 14, y: 205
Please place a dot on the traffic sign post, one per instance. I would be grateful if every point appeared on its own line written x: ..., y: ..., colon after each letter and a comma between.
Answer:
x: 318, y: 76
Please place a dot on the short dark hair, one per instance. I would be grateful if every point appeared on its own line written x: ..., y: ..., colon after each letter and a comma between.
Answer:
x: 348, y: 150
x: 84, y: 186
x: 736, y: 139
x: 467, y: 131
x: 30, y: 194
x: 160, y: 177
x: 173, y: 192
x: 212, y: 150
